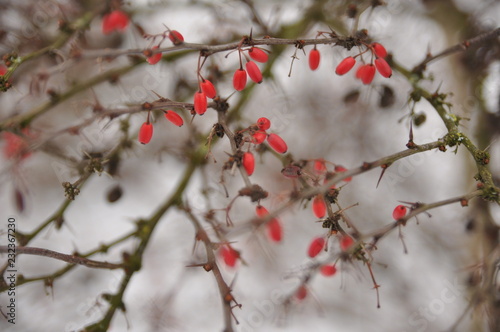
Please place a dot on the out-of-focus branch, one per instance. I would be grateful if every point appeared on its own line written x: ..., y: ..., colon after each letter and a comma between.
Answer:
x: 73, y: 259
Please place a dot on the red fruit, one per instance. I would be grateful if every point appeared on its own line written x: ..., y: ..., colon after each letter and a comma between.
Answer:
x: 328, y: 270
x: 145, y: 133
x: 239, y: 79
x: 301, y: 293
x: 174, y: 118
x: 116, y: 20
x: 175, y: 37
x: 383, y: 67
x: 399, y: 212
x: 339, y: 169
x: 208, y: 88
x: 314, y: 57
x: 345, y: 65
x: 261, y: 211
x: 258, y: 137
x: 366, y: 73
x: 248, y: 162
x: 379, y: 50
x: 264, y: 123
x: 319, y: 206
x: 155, y: 58
x: 277, y: 143
x: 316, y: 246
x: 200, y: 103
x: 346, y: 242
x: 274, y: 230
x: 254, y: 72
x: 258, y: 55
x: 15, y: 145
x: 319, y: 166
x: 229, y: 255
x: 3, y: 70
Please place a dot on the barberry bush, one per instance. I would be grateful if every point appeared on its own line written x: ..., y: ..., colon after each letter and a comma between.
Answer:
x: 249, y: 165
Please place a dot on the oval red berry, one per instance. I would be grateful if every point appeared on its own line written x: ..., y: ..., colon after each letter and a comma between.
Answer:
x: 399, y: 212
x: 155, y: 58
x: 229, y: 255
x: 145, y: 133
x: 254, y: 72
x: 175, y: 37
x: 208, y: 89
x: 383, y: 67
x: 319, y: 206
x: 174, y: 118
x: 258, y: 137
x: 200, y: 103
x: 319, y: 166
x: 116, y: 20
x: 277, y: 143
x: 345, y: 65
x: 379, y: 50
x: 346, y: 242
x: 239, y: 79
x: 314, y: 58
x: 328, y: 270
x: 258, y: 55
x: 248, y: 162
x: 315, y: 247
x: 301, y: 293
x: 264, y: 123
x: 366, y: 73
x: 274, y: 230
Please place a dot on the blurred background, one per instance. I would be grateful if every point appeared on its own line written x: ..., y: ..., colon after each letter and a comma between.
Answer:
x: 318, y: 114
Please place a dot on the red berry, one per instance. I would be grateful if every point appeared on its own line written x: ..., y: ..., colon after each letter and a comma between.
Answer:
x: 229, y: 255
x: 379, y: 50
x: 383, y: 67
x: 301, y: 293
x: 174, y: 118
x: 258, y: 55
x: 3, y: 70
x: 399, y: 212
x: 345, y: 65
x: 328, y: 270
x: 208, y: 88
x: 277, y: 143
x: 314, y: 57
x: 346, y: 242
x: 175, y: 37
x: 339, y: 169
x: 155, y: 58
x: 258, y: 137
x: 319, y: 166
x: 145, y: 133
x: 254, y: 72
x: 200, y: 103
x: 319, y: 206
x: 264, y: 123
x: 116, y: 20
x: 239, y: 79
x: 366, y: 73
x: 15, y: 146
x: 248, y: 162
x: 261, y: 211
x: 274, y: 230
x: 316, y: 246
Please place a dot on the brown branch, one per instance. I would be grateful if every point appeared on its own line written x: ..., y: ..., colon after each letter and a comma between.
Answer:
x: 72, y: 259
x: 463, y: 46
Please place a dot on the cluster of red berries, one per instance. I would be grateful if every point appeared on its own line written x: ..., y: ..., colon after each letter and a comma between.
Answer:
x: 146, y: 130
x: 366, y: 72
x: 251, y: 68
x: 273, y: 227
x: 175, y: 37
